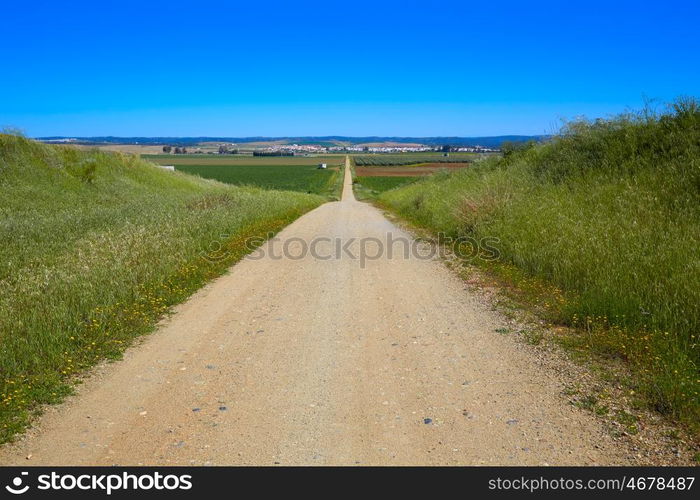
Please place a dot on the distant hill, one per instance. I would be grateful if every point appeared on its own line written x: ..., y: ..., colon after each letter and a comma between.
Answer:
x: 331, y: 140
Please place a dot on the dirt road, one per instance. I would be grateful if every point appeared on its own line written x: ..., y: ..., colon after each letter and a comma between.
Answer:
x: 319, y: 360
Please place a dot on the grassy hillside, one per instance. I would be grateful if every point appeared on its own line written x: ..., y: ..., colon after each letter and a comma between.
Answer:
x: 608, y: 213
x: 95, y: 248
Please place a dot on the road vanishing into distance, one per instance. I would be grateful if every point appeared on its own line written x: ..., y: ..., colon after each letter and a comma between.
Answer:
x: 293, y: 358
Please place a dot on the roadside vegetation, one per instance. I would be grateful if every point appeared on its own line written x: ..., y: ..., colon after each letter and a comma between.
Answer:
x: 604, y: 219
x: 96, y: 247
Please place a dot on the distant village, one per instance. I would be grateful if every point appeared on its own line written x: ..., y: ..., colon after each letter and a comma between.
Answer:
x: 283, y: 149
x: 384, y: 149
x: 312, y: 149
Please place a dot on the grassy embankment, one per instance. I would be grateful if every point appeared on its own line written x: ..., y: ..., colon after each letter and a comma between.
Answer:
x: 95, y: 249
x: 600, y: 228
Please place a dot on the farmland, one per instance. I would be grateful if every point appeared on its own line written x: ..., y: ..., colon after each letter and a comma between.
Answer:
x: 413, y: 158
x: 417, y: 170
x: 292, y: 173
x: 248, y: 160
x: 304, y: 178
x: 373, y: 180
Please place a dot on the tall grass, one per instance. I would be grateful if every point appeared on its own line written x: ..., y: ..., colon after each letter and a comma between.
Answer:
x: 95, y: 248
x: 609, y: 212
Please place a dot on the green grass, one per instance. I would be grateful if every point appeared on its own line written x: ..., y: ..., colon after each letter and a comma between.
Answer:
x: 381, y: 184
x: 96, y: 248
x: 366, y: 187
x: 304, y: 178
x: 608, y: 213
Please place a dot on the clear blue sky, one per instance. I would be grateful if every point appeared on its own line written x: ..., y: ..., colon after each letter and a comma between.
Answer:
x: 337, y: 68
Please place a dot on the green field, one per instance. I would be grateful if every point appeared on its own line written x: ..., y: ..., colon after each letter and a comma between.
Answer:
x: 304, y: 178
x: 96, y: 248
x: 378, y: 184
x: 412, y: 158
x: 292, y: 173
x: 207, y: 159
x: 608, y: 214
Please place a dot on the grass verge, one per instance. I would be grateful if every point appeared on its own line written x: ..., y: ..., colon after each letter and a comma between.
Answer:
x: 606, y: 214
x: 96, y: 249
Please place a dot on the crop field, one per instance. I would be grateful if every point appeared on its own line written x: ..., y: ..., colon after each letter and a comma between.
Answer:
x: 304, y: 178
x: 291, y: 173
x: 417, y: 170
x: 413, y: 158
x: 371, y: 181
x: 248, y: 160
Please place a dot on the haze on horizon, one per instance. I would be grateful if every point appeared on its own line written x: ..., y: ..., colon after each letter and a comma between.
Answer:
x: 316, y: 69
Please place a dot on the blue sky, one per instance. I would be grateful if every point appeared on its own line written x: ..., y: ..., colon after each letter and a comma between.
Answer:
x: 338, y: 68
